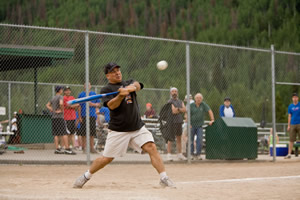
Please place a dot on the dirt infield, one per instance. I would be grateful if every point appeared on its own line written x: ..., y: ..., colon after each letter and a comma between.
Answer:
x: 236, y: 180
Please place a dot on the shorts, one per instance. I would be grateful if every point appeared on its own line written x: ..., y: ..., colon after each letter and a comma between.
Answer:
x: 58, y: 127
x: 177, y: 129
x: 82, y: 129
x: 170, y: 130
x: 71, y: 129
x: 117, y: 143
x: 294, y: 132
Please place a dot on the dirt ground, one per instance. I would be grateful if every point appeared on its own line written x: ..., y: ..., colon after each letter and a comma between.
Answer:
x: 236, y: 180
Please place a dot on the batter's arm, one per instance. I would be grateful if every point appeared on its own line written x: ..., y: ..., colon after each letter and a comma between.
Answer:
x: 116, y: 101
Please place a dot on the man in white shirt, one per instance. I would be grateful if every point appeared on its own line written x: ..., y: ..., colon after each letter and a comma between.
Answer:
x: 13, y: 138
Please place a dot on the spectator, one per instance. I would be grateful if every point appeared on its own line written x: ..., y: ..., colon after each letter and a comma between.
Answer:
x: 191, y: 99
x: 70, y: 115
x: 95, y: 104
x: 56, y: 107
x: 293, y: 122
x: 105, y: 112
x: 178, y: 108
x: 13, y: 139
x: 226, y: 110
x: 198, y: 110
x: 103, y: 118
x: 150, y: 112
x: 267, y: 140
x: 270, y: 140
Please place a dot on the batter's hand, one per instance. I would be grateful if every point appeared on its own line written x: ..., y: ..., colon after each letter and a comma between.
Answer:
x: 131, y: 88
x: 123, y: 91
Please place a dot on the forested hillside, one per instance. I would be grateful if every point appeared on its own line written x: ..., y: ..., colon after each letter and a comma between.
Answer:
x: 216, y: 72
x: 237, y: 22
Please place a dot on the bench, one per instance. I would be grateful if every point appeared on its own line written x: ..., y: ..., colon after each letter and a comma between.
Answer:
x: 263, y: 133
x: 2, y: 141
x: 153, y: 125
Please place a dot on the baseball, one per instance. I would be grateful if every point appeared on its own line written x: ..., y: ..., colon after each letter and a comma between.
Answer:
x: 162, y: 65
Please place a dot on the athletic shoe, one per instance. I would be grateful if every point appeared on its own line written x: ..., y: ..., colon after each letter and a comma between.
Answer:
x: 199, y: 157
x: 70, y: 152
x: 80, y: 181
x: 288, y: 156
x: 59, y: 151
x: 166, y: 182
x: 94, y: 151
x: 169, y: 157
x: 181, y: 157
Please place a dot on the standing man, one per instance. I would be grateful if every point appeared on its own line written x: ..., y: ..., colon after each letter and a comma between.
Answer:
x: 198, y: 110
x: 126, y: 127
x: 178, y: 108
x: 93, y: 116
x: 226, y: 110
x: 15, y: 138
x: 56, y: 107
x: 293, y: 122
x: 70, y: 115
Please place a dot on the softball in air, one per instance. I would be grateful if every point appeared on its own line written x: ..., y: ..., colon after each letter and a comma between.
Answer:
x: 162, y: 65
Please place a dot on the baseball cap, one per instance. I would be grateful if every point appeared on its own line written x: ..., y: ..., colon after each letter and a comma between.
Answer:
x: 58, y: 87
x: 110, y: 66
x: 294, y: 94
x: 15, y: 113
x: 149, y: 104
x: 67, y: 88
x: 227, y: 99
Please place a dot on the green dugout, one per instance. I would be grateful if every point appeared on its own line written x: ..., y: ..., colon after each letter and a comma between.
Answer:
x: 35, y: 129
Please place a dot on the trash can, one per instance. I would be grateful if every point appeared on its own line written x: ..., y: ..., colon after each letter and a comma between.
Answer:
x: 231, y: 138
x: 35, y: 128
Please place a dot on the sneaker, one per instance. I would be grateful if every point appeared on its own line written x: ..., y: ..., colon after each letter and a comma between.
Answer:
x: 199, y: 157
x: 169, y: 157
x: 69, y: 152
x: 288, y: 156
x: 181, y: 157
x: 166, y: 182
x: 80, y: 181
x: 94, y: 151
x: 59, y: 151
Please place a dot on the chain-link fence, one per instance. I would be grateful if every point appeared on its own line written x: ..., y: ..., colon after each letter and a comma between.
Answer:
x: 35, y: 60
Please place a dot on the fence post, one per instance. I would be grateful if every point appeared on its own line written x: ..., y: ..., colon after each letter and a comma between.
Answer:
x: 9, y: 104
x: 188, y: 101
x: 273, y: 102
x: 87, y: 91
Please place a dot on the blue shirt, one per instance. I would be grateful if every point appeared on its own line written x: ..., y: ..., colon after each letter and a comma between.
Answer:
x: 105, y: 111
x: 83, y: 106
x: 221, y: 111
x: 294, y: 110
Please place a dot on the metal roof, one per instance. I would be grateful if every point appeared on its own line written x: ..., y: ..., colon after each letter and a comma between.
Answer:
x: 14, y: 57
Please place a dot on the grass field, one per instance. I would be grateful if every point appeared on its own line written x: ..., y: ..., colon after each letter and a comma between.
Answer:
x: 229, y: 180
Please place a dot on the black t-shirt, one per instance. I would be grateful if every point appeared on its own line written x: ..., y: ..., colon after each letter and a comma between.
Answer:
x: 127, y: 116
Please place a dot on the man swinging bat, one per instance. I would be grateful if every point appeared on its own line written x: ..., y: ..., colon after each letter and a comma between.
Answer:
x: 125, y: 127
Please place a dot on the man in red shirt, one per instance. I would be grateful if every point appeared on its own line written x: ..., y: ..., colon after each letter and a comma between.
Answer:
x: 70, y: 114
